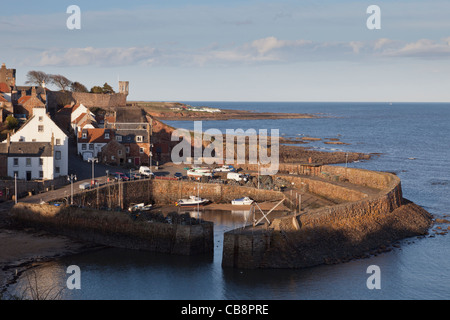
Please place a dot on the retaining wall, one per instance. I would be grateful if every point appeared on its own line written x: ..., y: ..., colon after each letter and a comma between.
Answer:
x: 117, y: 229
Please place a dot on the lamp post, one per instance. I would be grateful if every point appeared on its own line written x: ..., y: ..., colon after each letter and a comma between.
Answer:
x: 71, y: 178
x: 93, y: 160
x: 15, y: 187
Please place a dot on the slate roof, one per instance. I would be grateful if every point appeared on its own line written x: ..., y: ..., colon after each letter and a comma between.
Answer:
x: 28, y: 149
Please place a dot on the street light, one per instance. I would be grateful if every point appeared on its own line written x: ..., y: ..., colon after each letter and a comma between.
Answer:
x: 15, y: 187
x: 71, y: 178
x: 93, y: 160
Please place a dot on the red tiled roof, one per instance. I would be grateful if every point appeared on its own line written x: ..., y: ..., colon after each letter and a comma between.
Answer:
x: 4, y: 87
x: 2, y: 99
x: 23, y: 99
x: 95, y: 136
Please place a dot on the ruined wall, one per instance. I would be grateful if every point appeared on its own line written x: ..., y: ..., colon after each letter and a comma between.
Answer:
x: 116, y: 229
x: 329, y: 234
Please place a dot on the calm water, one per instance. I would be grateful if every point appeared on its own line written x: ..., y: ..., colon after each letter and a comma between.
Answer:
x: 420, y: 269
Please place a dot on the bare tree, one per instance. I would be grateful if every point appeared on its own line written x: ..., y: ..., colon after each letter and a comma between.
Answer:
x: 60, y: 81
x: 37, y: 77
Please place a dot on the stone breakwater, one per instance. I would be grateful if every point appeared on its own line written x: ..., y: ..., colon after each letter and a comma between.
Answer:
x: 116, y: 229
x: 332, y: 234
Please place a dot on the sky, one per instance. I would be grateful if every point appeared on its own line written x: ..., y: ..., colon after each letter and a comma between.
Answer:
x: 210, y: 50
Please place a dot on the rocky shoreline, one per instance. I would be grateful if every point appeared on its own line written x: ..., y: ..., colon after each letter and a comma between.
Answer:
x: 174, y: 111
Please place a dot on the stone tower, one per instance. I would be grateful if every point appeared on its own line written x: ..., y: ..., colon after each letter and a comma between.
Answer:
x: 123, y: 87
x: 8, y: 76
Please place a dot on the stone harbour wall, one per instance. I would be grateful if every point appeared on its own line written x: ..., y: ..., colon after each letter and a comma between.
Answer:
x: 330, y: 234
x: 116, y: 229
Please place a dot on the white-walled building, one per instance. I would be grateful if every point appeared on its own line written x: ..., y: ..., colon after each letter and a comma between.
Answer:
x: 41, y: 128
x: 31, y: 160
x: 91, y: 141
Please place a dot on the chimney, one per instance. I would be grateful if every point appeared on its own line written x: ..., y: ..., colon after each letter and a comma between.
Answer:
x: 24, y: 93
x: 33, y: 91
x: 53, y: 143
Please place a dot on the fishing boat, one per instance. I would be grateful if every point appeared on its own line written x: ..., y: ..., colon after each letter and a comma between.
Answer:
x: 191, y: 202
x: 242, y: 201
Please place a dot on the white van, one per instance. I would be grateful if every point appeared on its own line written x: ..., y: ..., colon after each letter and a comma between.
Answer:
x: 85, y: 186
x: 236, y: 176
x: 145, y: 171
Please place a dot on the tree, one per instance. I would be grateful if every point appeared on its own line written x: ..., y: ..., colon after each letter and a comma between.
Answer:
x: 78, y: 87
x: 60, y: 81
x: 12, y: 122
x: 96, y: 89
x: 107, y: 89
x: 37, y: 77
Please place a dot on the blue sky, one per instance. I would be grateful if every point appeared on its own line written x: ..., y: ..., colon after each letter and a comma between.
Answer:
x: 238, y: 50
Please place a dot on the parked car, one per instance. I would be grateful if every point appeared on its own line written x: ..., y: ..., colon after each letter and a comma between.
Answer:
x: 146, y: 171
x: 119, y: 176
x: 85, y: 186
x: 178, y: 175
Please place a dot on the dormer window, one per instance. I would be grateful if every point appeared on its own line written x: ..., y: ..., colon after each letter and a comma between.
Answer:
x: 106, y: 135
x: 119, y: 138
x: 139, y: 139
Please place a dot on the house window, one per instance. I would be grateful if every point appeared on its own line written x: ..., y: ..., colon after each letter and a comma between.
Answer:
x: 106, y: 135
x: 57, y: 170
x: 28, y: 162
x: 127, y: 149
x: 58, y: 142
x: 40, y: 128
x: 41, y: 162
x: 119, y: 152
x: 119, y: 138
x: 57, y: 155
x: 113, y: 158
x: 41, y: 118
x: 41, y: 174
x: 84, y: 135
x: 16, y: 162
x: 141, y: 150
x: 91, y: 146
x: 83, y: 146
x: 138, y: 138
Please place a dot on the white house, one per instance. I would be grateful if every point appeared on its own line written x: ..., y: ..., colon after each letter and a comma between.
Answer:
x: 31, y: 160
x: 91, y: 141
x: 41, y: 128
x: 81, y: 117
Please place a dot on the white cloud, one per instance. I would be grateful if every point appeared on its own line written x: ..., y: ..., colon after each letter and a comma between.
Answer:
x: 264, y: 50
x: 97, y: 56
x: 423, y: 48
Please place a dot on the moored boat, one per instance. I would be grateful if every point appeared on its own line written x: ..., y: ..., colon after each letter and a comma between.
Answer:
x: 192, y: 201
x: 242, y: 201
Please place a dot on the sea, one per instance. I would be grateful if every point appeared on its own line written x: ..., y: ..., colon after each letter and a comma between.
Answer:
x: 411, y: 140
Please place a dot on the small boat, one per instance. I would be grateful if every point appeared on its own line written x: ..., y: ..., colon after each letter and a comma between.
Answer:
x: 192, y: 201
x: 242, y: 201
x: 225, y: 168
x: 140, y: 207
